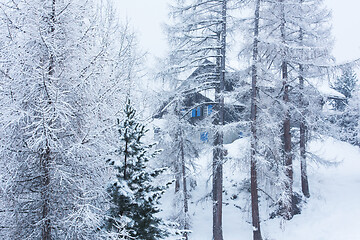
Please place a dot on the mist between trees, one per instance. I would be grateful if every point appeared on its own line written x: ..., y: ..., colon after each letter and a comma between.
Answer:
x: 79, y: 162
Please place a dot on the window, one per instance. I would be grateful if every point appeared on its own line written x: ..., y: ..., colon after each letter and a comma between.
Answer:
x: 204, y: 136
x: 193, y: 113
x: 198, y: 111
x: 209, y: 109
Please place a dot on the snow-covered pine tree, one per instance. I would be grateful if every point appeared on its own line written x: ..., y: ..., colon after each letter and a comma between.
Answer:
x: 134, y: 195
x: 350, y: 119
x: 347, y: 115
x: 345, y: 84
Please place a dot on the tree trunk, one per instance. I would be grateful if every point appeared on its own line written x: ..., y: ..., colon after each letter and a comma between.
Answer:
x: 125, y: 155
x: 45, y: 158
x: 218, y: 153
x: 217, y: 187
x: 303, y: 129
x: 286, y: 125
x: 45, y: 195
x: 177, y: 176
x: 304, y: 178
x: 253, y: 167
x: 186, y: 205
x: 287, y: 145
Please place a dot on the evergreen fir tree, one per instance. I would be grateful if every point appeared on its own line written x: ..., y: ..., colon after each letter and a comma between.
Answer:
x: 345, y: 84
x: 350, y: 127
x: 133, y: 195
x: 348, y: 115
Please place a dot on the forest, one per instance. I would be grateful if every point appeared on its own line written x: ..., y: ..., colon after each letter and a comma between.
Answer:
x: 248, y: 128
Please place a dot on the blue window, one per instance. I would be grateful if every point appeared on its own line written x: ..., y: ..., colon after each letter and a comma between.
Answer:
x: 209, y: 109
x: 198, y: 111
x: 193, y: 113
x: 204, y: 136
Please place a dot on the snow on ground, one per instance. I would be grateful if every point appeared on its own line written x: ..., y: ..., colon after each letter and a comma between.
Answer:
x: 331, y: 213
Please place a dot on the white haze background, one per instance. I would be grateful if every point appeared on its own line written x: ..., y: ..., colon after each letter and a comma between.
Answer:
x: 147, y: 16
x: 332, y: 213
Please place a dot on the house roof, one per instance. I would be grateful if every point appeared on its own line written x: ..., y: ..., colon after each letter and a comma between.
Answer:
x: 197, y: 87
x: 328, y: 92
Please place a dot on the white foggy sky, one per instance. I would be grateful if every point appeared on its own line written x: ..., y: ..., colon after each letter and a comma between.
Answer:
x: 346, y: 28
x: 146, y: 16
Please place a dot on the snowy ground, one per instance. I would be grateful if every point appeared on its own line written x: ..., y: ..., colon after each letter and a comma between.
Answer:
x: 332, y: 212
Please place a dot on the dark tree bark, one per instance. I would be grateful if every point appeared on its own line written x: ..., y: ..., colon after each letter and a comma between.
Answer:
x: 286, y: 125
x: 184, y: 180
x: 45, y: 195
x: 287, y: 145
x: 45, y: 158
x: 217, y: 187
x: 254, y: 100
x: 125, y: 156
x: 218, y: 153
x: 303, y: 128
x: 177, y: 177
x: 304, y: 177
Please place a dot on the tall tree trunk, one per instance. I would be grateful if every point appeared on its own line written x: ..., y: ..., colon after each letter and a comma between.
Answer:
x: 45, y: 158
x: 304, y: 177
x: 218, y: 153
x: 287, y: 145
x: 45, y: 195
x: 178, y: 160
x: 217, y: 186
x: 186, y: 205
x: 254, y: 99
x: 303, y: 129
x: 177, y: 176
x: 286, y: 125
x: 125, y: 155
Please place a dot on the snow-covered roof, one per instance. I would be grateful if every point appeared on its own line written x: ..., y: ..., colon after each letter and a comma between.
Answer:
x: 326, y: 91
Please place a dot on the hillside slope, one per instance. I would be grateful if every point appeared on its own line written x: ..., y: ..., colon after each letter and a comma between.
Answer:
x: 332, y: 212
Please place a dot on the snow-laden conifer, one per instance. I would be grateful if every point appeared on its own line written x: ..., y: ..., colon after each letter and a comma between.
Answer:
x: 346, y: 114
x: 134, y: 195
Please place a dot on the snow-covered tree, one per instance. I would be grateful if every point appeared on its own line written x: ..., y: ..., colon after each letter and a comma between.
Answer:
x: 198, y: 34
x: 312, y: 58
x: 293, y: 46
x: 347, y: 114
x: 350, y: 120
x: 180, y: 152
x: 345, y: 84
x: 134, y: 195
x: 55, y: 108
x: 254, y: 118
